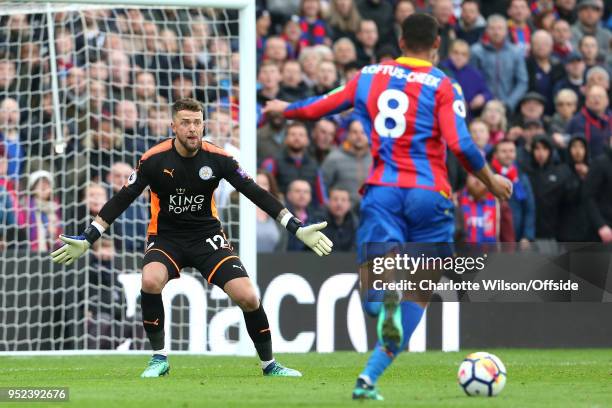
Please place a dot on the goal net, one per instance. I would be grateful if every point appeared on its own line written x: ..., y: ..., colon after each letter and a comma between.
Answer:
x: 85, y: 89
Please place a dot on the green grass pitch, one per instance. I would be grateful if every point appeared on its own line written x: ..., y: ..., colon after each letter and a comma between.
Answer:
x: 536, y: 378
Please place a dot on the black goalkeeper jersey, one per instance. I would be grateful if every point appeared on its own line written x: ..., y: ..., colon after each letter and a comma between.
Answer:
x: 182, y: 189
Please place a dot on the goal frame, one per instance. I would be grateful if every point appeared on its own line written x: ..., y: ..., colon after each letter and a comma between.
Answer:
x: 247, y: 122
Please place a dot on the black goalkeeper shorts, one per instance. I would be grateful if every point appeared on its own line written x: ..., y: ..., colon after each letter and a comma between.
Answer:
x: 212, y: 255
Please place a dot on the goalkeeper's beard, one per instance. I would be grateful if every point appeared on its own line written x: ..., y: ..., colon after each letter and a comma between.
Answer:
x: 192, y: 148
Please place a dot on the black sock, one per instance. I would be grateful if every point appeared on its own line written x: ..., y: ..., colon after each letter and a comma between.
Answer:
x: 153, y: 318
x: 259, y: 331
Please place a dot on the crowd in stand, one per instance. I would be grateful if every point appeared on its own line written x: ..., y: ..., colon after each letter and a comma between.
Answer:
x: 535, y: 76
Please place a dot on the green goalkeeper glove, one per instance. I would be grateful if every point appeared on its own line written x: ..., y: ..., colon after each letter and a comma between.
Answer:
x: 314, y: 239
x: 74, y: 247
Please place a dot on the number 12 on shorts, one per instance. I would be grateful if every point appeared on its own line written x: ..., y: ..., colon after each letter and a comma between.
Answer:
x: 217, y: 242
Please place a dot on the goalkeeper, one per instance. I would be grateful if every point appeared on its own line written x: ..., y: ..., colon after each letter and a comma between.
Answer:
x: 183, y: 172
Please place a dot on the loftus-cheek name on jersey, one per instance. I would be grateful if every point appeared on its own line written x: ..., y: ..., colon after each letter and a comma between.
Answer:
x: 181, y: 203
x: 397, y: 72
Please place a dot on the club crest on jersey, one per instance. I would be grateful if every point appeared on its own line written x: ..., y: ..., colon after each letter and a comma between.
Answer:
x: 132, y: 179
x: 206, y: 173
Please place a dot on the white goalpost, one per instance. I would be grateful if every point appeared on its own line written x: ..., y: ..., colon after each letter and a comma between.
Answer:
x: 86, y: 88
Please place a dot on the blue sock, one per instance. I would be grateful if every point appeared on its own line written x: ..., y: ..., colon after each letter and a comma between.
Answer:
x: 382, y: 358
x: 377, y: 363
x: 160, y: 357
x: 373, y: 302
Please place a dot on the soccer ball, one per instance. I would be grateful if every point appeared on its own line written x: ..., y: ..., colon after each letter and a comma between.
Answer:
x: 482, y: 373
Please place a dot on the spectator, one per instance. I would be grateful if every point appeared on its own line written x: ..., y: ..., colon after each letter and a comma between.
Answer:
x: 119, y: 75
x: 76, y: 100
x: 350, y: 70
x: 220, y: 132
x: 269, y: 78
x: 219, y: 129
x: 520, y: 27
x: 129, y: 229
x: 292, y: 86
x: 8, y: 79
x: 562, y: 44
x: 472, y: 82
x: 481, y: 136
x: 531, y: 108
x: 270, y: 137
x: 275, y: 51
x: 93, y: 197
x: 598, y: 188
x: 599, y: 76
x: 485, y: 219
x: 309, y: 60
x: 566, y: 103
x: 102, y: 146
x: 126, y: 121
x: 64, y: 52
x: 157, y: 125
x: 543, y: 72
x: 347, y: 167
x: 524, y: 136
x: 323, y: 136
x: 566, y: 10
x: 501, y: 63
x: 149, y: 56
x: 262, y: 28
x: 403, y: 10
x: 299, y: 199
x: 575, y: 225
x: 593, y: 120
x: 9, y: 205
x: 343, y: 19
x: 471, y: 24
x: 292, y: 34
x: 381, y: 13
x: 169, y: 40
x: 183, y: 86
x: 9, y: 135
x: 589, y: 49
x: 42, y: 213
x: 327, y: 78
x: 146, y: 94
x: 539, y: 7
x: 574, y: 74
x: 341, y: 222
x: 545, y: 20
x: 522, y: 201
x: 590, y: 13
x: 367, y: 38
x: 442, y: 10
x: 294, y: 162
x: 270, y: 236
x: 494, y: 116
x: 314, y: 28
x: 98, y: 71
x: 548, y: 182
x: 344, y: 53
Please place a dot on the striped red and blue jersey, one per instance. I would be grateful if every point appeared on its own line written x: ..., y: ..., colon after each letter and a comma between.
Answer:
x: 481, y: 219
x: 410, y: 111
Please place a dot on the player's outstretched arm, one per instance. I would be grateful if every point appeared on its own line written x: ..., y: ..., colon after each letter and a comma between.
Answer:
x: 76, y: 245
x: 335, y: 101
x: 310, y: 235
